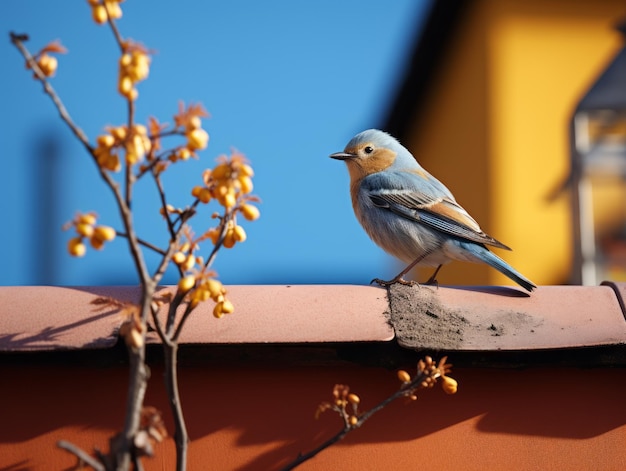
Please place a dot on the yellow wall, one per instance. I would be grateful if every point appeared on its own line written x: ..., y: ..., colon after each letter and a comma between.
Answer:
x: 495, y: 128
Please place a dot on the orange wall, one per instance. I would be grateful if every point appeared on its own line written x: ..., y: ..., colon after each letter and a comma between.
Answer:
x: 495, y: 127
x: 257, y: 418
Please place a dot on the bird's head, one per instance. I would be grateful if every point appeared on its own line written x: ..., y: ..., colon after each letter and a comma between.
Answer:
x: 373, y: 151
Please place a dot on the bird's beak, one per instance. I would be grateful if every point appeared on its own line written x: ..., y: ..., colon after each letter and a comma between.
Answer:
x: 342, y: 156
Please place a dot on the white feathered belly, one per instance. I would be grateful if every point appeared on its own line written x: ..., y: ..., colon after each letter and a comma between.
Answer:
x: 408, y: 240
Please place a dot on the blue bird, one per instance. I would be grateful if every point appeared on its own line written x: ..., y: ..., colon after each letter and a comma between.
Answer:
x: 410, y: 214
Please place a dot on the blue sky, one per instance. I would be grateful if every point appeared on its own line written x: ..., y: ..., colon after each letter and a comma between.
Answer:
x: 286, y: 83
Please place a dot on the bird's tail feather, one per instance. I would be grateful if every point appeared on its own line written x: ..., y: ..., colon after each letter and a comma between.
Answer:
x: 496, y: 262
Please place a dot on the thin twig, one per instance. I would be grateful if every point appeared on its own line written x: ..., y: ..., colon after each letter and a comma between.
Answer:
x: 146, y: 244
x: 182, y: 321
x: 161, y: 191
x: 402, y: 392
x: 209, y: 262
x: 128, y: 177
x: 171, y: 315
x: 17, y: 40
x: 181, y: 436
x: 82, y: 455
x: 227, y: 216
x: 153, y: 160
x: 118, y: 37
x: 165, y: 261
x: 157, y: 324
x: 138, y: 376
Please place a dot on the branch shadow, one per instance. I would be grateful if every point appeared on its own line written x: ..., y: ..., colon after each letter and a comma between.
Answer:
x: 272, y: 407
x: 50, y: 337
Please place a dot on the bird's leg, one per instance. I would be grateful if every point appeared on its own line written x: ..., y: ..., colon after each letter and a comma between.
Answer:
x: 433, y: 279
x: 399, y: 277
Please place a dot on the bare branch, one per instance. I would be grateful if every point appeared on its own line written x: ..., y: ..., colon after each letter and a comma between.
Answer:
x: 144, y: 243
x: 118, y: 37
x: 82, y: 455
x: 227, y: 216
x: 402, y: 392
x: 18, y: 41
x: 170, y: 225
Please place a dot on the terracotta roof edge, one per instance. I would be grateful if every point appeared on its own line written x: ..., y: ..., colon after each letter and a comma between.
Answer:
x: 44, y: 318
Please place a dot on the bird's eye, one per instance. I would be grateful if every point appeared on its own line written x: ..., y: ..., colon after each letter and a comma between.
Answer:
x: 368, y: 149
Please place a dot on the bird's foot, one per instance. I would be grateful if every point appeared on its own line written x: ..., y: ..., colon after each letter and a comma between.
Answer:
x: 432, y: 281
x: 389, y: 283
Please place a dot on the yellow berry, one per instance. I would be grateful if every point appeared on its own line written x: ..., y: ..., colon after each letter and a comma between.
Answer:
x: 239, y: 234
x: 197, y: 139
x: 245, y: 183
x: 76, y: 247
x: 178, y: 258
x: 88, y: 218
x: 222, y: 188
x: 195, y: 191
x: 111, y: 162
x: 96, y: 243
x: 125, y: 60
x: 214, y: 287
x: 353, y: 420
x: 198, y: 296
x: 189, y: 262
x: 99, y: 14
x: 125, y: 85
x: 114, y: 9
x: 217, y: 310
x: 227, y: 307
x: 229, y: 200
x: 181, y: 154
x: 139, y: 68
x: 246, y: 170
x: 103, y: 156
x: 404, y: 376
x: 221, y: 172
x: 105, y: 140
x: 137, y: 147
x: 104, y: 233
x: 250, y: 212
x: 186, y: 283
x: 204, y: 196
x: 140, y: 129
x: 85, y: 230
x: 353, y: 399
x: 229, y: 239
x: 449, y: 385
x: 194, y: 122
x: 47, y: 64
x: 119, y: 133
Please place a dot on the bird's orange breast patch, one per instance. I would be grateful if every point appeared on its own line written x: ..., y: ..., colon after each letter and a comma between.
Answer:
x: 375, y: 162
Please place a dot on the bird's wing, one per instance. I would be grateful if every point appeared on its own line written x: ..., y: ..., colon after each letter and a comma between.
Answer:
x: 418, y: 199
